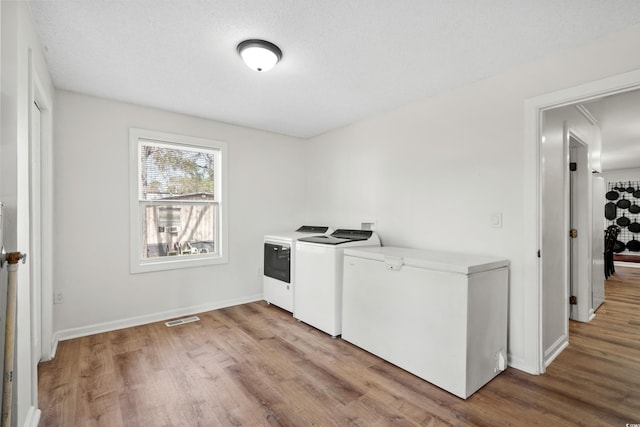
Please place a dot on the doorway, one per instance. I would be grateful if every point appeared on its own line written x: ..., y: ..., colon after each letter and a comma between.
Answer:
x: 548, y: 320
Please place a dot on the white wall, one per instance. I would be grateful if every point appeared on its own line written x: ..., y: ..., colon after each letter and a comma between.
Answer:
x: 598, y: 276
x: 616, y: 176
x: 91, y: 216
x: 433, y: 172
x: 22, y: 62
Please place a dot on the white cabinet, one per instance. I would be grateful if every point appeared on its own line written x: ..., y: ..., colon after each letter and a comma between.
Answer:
x: 441, y: 316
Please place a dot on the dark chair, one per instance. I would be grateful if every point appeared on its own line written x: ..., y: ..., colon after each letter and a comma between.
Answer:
x: 608, y: 252
x: 610, y: 238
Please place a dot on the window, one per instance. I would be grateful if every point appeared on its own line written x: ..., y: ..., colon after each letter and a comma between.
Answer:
x: 178, y: 201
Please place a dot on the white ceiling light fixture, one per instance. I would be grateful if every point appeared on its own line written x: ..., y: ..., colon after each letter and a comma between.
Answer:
x: 259, y: 55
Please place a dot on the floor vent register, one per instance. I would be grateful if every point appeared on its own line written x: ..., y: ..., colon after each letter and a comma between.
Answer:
x: 182, y: 321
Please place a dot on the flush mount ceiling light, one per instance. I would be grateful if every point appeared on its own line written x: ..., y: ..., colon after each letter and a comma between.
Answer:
x: 259, y: 55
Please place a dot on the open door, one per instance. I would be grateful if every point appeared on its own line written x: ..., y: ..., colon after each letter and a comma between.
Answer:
x: 580, y: 231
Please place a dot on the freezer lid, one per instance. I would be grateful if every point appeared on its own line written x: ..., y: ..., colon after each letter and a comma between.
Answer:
x: 451, y: 262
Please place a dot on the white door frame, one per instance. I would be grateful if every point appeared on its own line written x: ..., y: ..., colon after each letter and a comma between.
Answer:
x: 533, y: 109
x: 35, y: 249
x: 45, y: 104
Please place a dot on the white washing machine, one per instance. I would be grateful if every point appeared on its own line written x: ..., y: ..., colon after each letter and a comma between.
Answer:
x: 318, y: 277
x: 279, y: 264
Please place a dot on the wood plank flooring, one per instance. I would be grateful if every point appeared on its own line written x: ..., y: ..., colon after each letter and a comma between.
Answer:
x: 254, y: 365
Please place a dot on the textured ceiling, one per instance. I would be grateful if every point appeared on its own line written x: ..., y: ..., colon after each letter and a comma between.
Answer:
x: 343, y: 60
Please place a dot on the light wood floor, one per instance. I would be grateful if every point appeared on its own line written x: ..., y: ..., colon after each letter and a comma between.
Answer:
x: 254, y: 365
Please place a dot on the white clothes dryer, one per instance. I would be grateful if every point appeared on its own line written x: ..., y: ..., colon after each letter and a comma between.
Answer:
x: 279, y: 264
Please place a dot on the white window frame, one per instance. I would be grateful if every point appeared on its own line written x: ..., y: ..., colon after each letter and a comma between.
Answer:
x: 138, y: 264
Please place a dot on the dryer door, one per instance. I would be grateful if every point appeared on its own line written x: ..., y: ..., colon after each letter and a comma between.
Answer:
x: 277, y: 261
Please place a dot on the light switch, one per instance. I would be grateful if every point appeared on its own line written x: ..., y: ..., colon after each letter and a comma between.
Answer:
x: 368, y: 225
x: 496, y: 220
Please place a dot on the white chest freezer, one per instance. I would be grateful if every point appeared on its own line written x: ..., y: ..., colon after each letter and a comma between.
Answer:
x: 441, y: 316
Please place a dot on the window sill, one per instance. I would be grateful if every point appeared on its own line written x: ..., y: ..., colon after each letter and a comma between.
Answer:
x: 176, y: 263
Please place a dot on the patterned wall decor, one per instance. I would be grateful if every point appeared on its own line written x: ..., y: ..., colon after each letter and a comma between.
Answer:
x: 622, y: 207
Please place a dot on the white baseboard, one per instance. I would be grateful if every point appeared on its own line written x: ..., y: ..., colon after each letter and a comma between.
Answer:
x: 54, y: 348
x: 84, y: 331
x: 549, y: 355
x: 33, y: 417
x: 555, y: 349
x: 521, y: 365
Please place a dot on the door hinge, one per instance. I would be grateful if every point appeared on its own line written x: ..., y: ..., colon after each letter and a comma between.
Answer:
x: 538, y: 253
x: 573, y: 166
x: 573, y: 233
x: 573, y: 300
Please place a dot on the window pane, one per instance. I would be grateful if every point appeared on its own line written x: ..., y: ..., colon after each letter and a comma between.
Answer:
x: 175, y: 174
x: 179, y: 230
x: 169, y: 216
